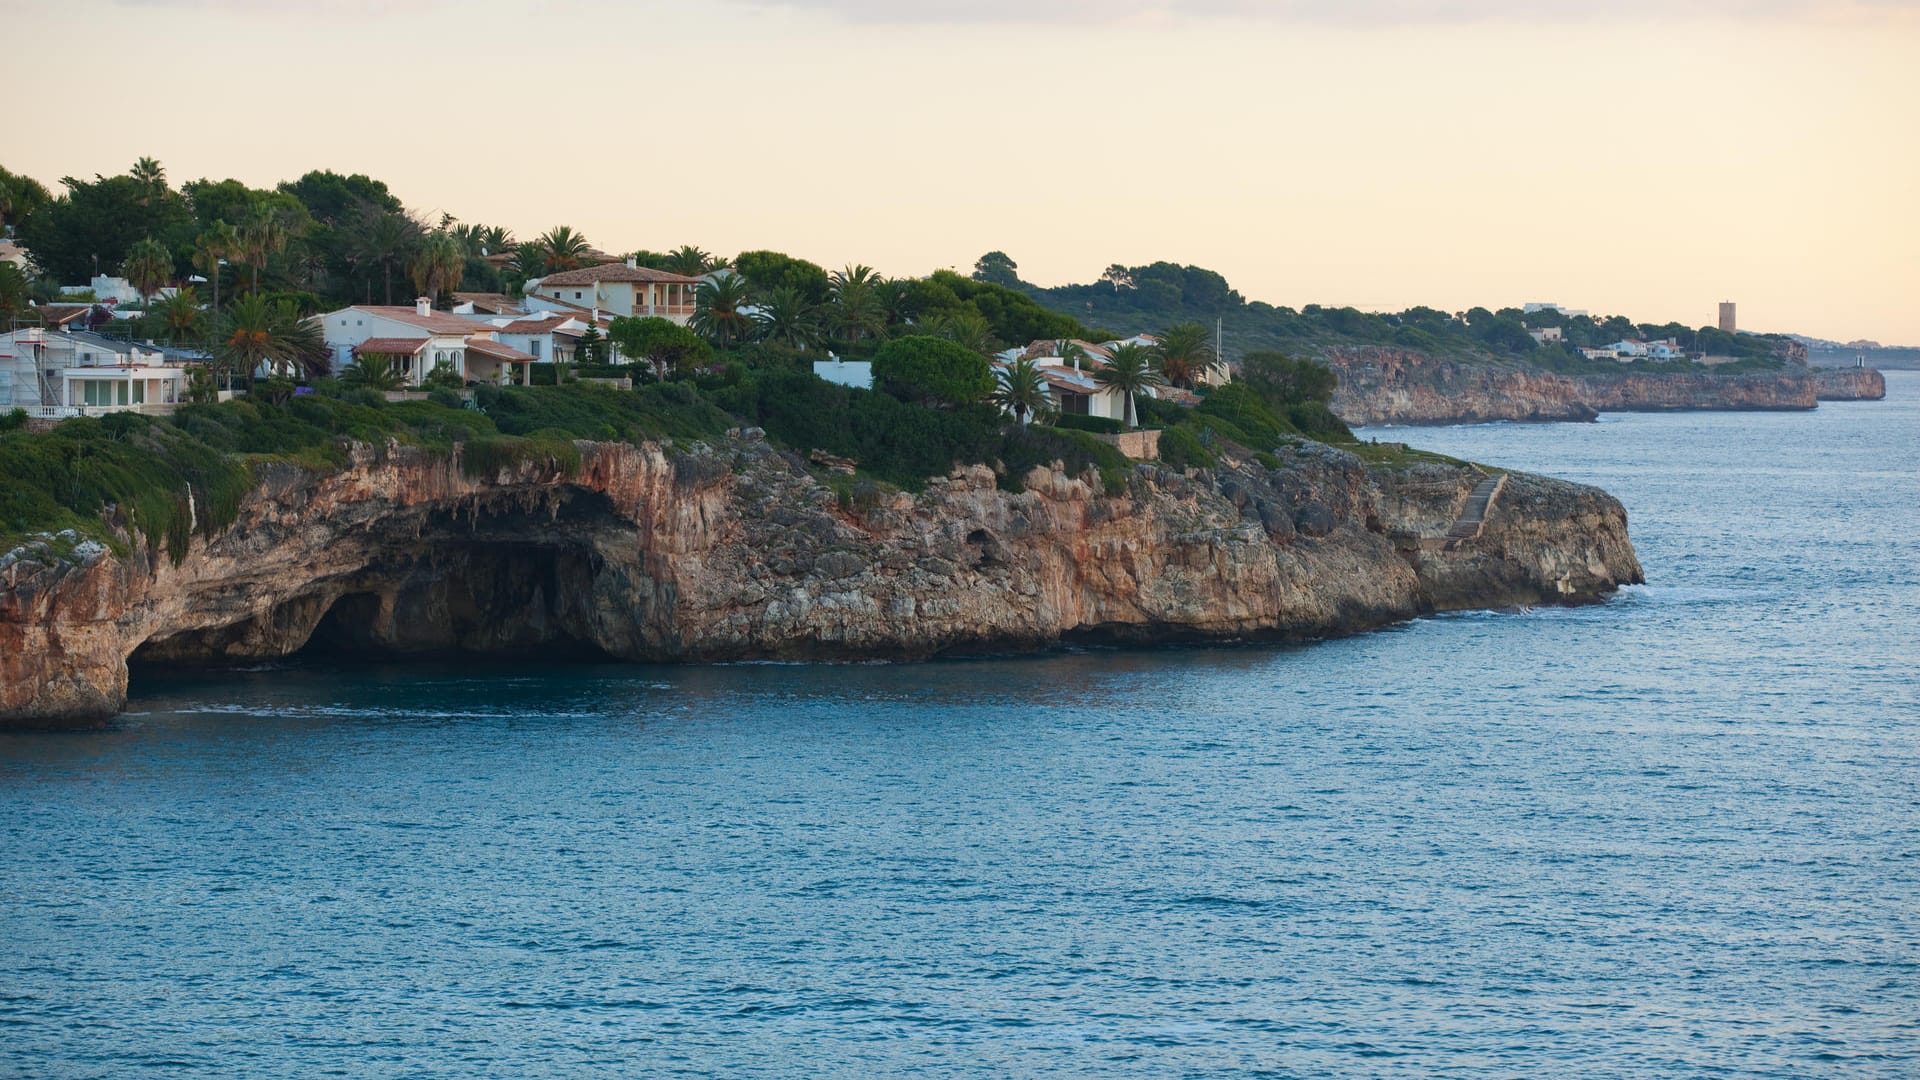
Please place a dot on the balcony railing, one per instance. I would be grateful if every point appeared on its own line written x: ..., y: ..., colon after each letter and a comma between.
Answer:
x: 65, y: 412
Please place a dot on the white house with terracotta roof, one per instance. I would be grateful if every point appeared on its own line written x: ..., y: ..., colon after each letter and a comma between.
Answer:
x: 551, y: 336
x: 617, y: 289
x: 419, y: 339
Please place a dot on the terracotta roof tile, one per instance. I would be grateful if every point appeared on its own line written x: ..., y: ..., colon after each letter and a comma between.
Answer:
x: 498, y: 350
x: 390, y: 346
x: 438, y: 322
x: 616, y: 271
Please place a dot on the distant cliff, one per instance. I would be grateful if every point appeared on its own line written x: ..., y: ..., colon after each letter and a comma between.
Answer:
x: 1403, y: 386
x: 733, y: 551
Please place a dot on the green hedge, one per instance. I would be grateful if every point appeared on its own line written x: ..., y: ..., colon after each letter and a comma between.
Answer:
x: 1099, y: 425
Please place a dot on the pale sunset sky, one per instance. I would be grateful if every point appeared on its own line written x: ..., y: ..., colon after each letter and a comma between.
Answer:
x: 1646, y: 158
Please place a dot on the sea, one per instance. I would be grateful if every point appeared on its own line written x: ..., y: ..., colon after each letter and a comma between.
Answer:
x: 1672, y: 835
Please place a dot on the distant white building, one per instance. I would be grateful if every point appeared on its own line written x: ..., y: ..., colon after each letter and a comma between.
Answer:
x: 1534, y: 306
x: 855, y: 373
x: 1546, y: 335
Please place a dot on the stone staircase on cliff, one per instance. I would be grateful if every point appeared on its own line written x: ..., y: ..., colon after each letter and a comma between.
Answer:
x: 1473, y: 516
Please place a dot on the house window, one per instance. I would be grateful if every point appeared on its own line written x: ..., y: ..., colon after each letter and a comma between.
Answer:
x: 533, y: 347
x: 440, y: 357
x: 6, y: 387
x: 140, y: 393
x: 576, y: 296
x: 1073, y: 404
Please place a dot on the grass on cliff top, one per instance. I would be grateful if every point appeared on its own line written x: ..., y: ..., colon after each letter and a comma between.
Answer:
x: 149, y: 467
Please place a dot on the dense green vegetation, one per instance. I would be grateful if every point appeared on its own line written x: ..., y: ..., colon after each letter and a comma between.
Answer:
x: 272, y: 257
x: 1133, y: 299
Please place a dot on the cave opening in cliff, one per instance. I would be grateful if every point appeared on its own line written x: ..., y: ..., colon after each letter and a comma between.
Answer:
x: 507, y: 582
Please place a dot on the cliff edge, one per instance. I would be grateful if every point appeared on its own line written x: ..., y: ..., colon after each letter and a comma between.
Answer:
x: 733, y: 551
x: 1405, y: 386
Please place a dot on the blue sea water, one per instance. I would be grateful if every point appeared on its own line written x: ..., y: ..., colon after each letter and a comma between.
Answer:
x: 1677, y: 834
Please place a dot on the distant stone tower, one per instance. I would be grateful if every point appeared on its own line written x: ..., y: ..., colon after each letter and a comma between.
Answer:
x: 1726, y: 316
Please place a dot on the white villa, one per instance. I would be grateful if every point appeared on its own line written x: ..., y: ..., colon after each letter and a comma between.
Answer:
x: 616, y: 289
x: 419, y: 339
x: 550, y: 336
x: 60, y: 373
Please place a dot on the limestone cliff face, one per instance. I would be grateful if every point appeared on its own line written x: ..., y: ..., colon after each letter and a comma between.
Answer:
x: 733, y: 551
x: 1404, y: 386
x: 1849, y: 384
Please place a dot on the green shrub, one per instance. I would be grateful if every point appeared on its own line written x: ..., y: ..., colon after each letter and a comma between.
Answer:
x: 16, y: 418
x: 932, y: 371
x: 1316, y: 421
x: 1023, y: 449
x: 1256, y: 424
x: 1099, y: 425
x: 443, y: 375
x: 1180, y: 447
x: 445, y: 397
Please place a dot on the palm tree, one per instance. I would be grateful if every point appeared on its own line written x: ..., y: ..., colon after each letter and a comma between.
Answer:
x: 786, y: 317
x: 495, y: 240
x: 439, y: 264
x: 1073, y: 354
x: 1131, y: 370
x: 255, y: 333
x: 688, y: 261
x: 210, y: 251
x: 16, y: 292
x: 150, y: 176
x: 529, y: 262
x: 966, y: 328
x: 263, y: 235
x: 149, y: 266
x: 375, y: 371
x: 181, y: 313
x: 566, y: 249
x: 1185, y: 353
x: 1021, y: 389
x: 716, y: 310
x: 385, y: 237
x: 857, y: 310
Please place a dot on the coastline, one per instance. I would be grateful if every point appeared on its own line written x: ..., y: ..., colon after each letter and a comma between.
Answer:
x: 1384, y: 386
x: 732, y: 552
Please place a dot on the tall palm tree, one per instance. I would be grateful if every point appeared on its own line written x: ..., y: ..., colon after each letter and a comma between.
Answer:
x: 182, y: 315
x: 255, y: 332
x: 1185, y: 352
x: 388, y: 238
x: 149, y: 265
x: 786, y: 317
x: 210, y: 251
x: 150, y: 176
x: 262, y: 236
x: 716, y: 310
x: 1021, y: 389
x: 688, y: 261
x: 1130, y: 369
x: 566, y: 249
x: 438, y: 264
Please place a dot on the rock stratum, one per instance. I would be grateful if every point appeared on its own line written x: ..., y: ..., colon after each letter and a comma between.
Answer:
x: 733, y: 551
x: 1403, y: 386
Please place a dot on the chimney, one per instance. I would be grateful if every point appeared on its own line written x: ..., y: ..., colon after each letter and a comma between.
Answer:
x: 423, y: 307
x: 633, y: 262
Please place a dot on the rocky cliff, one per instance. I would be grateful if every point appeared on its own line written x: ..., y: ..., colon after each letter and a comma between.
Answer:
x: 1403, y: 386
x: 734, y: 551
x: 1849, y: 384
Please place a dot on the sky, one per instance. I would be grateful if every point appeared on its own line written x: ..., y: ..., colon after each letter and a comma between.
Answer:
x: 1636, y: 157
